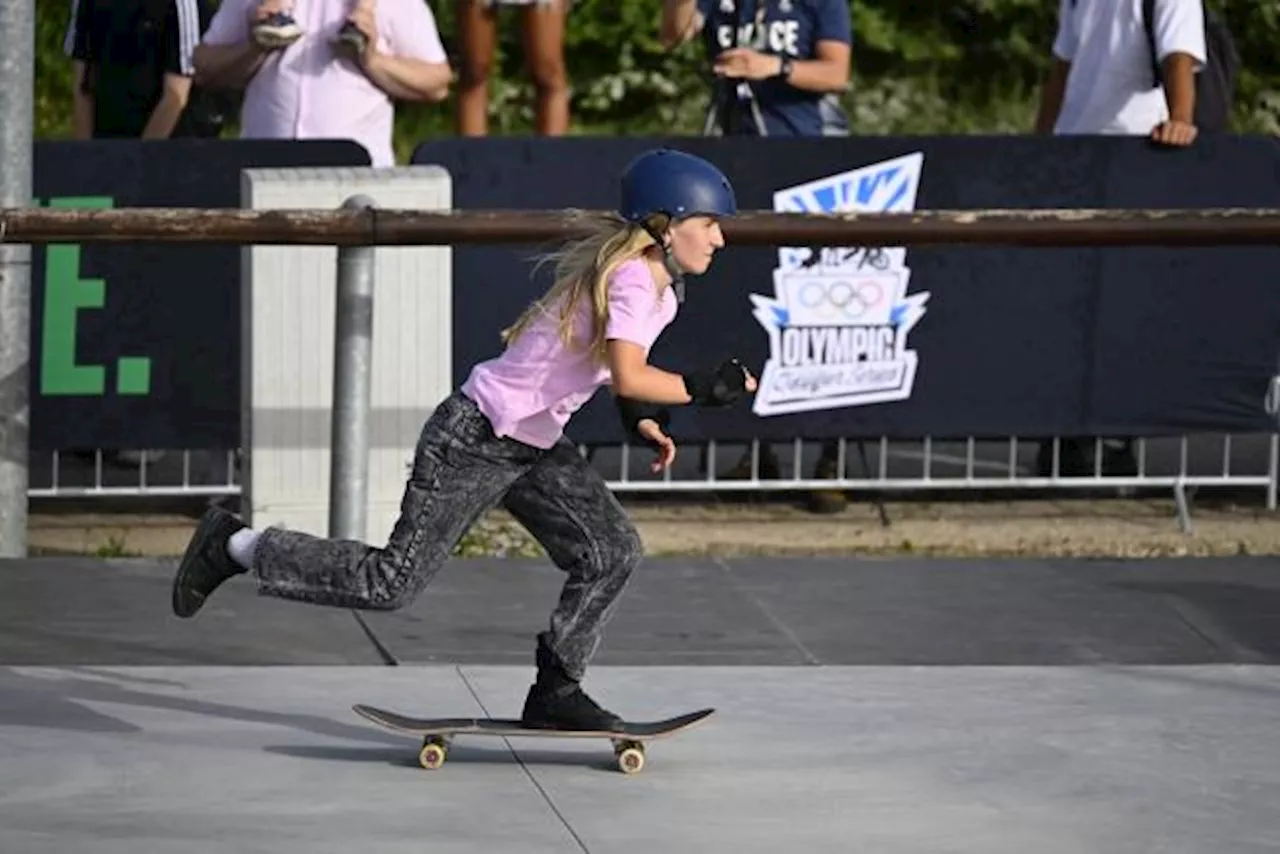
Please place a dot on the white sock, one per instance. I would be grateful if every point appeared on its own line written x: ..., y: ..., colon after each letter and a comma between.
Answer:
x: 242, y: 545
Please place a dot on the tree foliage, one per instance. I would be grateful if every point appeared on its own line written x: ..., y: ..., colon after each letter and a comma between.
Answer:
x: 947, y: 66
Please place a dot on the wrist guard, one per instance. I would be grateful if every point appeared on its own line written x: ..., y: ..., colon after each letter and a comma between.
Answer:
x: 719, y: 387
x: 635, y: 411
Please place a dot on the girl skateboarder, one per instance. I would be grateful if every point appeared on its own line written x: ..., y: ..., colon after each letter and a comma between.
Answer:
x: 498, y: 440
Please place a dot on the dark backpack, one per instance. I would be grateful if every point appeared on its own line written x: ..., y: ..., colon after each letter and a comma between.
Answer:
x: 1216, y: 82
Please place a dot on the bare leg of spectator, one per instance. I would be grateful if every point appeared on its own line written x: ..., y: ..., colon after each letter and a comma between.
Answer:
x: 477, y: 30
x: 544, y: 52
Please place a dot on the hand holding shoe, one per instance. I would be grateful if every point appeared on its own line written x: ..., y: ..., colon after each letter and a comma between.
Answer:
x: 272, y: 26
x: 359, y: 34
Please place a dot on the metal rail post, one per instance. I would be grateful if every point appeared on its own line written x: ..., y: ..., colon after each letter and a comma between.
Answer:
x: 17, y: 70
x: 352, y: 369
x: 1271, y: 405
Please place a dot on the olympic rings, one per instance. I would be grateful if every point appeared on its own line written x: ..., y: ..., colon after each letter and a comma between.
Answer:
x: 841, y: 298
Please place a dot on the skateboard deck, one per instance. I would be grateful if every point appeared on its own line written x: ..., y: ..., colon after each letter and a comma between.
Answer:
x: 438, y: 733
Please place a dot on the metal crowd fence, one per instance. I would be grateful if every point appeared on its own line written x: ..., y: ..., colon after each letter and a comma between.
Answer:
x: 1178, y: 463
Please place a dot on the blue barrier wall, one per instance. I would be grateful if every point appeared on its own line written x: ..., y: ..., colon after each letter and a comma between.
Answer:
x: 1002, y: 340
x: 138, y: 345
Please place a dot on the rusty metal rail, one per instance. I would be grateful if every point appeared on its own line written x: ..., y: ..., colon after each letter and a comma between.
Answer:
x: 1031, y: 227
x: 354, y: 227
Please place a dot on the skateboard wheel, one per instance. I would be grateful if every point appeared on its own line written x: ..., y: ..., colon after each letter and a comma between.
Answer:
x: 432, y: 754
x: 630, y: 757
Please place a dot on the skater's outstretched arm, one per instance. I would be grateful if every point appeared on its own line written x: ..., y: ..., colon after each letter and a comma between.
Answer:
x: 633, y: 377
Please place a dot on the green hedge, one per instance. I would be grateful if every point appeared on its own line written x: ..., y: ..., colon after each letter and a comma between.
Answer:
x: 961, y: 66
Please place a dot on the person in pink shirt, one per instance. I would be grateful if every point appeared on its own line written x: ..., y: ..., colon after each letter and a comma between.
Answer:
x: 499, y: 439
x: 325, y: 69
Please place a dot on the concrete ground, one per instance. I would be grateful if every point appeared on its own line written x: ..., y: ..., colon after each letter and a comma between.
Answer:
x: 874, y: 704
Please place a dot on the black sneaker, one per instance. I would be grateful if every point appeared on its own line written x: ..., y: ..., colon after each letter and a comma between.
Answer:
x: 566, y: 707
x: 206, y: 563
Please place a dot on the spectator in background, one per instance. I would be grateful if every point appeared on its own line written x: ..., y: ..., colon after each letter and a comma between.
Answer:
x: 325, y: 69
x: 131, y: 79
x: 1100, y: 82
x: 542, y: 23
x: 132, y: 69
x: 780, y: 66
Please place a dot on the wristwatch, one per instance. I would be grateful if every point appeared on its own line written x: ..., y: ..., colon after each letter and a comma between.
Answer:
x: 784, y: 69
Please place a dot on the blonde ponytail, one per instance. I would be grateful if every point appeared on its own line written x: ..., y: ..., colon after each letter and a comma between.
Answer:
x: 582, y: 271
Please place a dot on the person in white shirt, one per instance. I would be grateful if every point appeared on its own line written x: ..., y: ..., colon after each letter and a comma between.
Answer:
x: 325, y: 69
x: 1101, y: 81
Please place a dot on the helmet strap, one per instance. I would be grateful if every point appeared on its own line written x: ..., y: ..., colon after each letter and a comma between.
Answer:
x: 669, y: 262
x: 677, y: 275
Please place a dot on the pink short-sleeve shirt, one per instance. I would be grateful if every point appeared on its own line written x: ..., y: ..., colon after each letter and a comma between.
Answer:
x: 306, y: 91
x: 530, y: 391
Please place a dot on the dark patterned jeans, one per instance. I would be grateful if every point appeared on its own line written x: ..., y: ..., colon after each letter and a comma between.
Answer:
x: 460, y: 470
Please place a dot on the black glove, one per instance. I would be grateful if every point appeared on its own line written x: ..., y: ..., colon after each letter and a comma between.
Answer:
x: 720, y: 387
x: 635, y: 411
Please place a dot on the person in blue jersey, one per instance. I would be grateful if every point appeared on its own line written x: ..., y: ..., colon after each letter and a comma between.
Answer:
x: 779, y: 67
x: 780, y: 64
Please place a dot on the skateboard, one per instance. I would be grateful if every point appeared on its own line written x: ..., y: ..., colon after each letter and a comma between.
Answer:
x: 438, y: 733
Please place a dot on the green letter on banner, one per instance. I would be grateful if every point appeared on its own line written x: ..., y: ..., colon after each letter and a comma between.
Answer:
x: 65, y: 293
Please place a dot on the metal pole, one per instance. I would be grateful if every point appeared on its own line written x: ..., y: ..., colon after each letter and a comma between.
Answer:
x: 1273, y: 481
x: 352, y: 367
x: 17, y: 73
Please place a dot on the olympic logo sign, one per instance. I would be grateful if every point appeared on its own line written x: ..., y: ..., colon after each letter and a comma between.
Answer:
x: 837, y: 298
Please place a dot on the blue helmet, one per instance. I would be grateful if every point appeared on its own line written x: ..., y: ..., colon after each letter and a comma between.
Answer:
x: 665, y: 181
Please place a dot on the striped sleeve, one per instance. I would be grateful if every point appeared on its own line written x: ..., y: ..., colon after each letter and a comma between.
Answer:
x: 75, y: 43
x: 183, y: 36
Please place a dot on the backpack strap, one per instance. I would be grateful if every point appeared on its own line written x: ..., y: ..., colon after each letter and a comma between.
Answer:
x: 1149, y: 26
